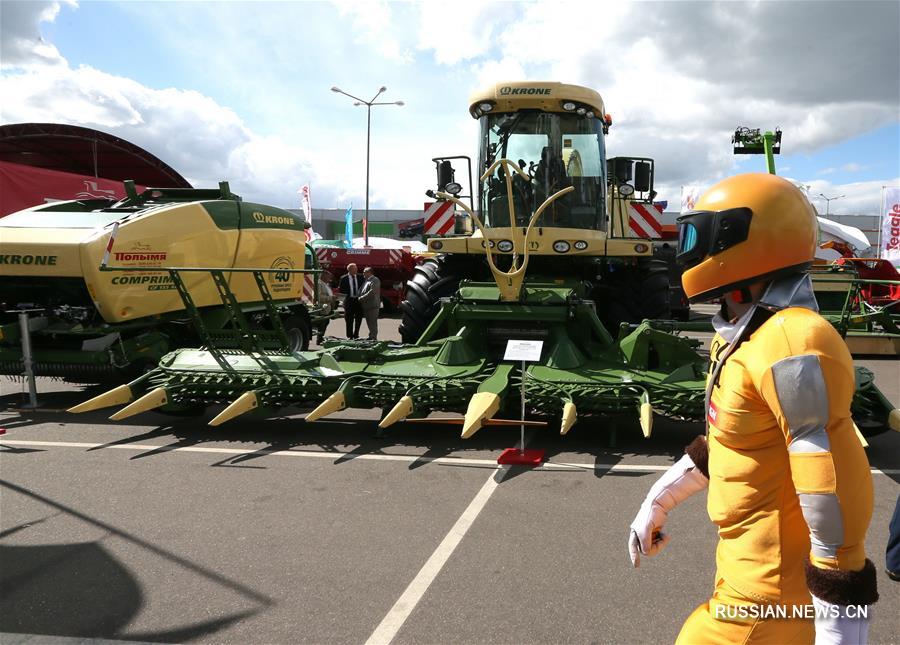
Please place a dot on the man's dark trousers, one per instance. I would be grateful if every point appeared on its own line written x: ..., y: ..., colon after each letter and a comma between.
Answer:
x: 353, y: 315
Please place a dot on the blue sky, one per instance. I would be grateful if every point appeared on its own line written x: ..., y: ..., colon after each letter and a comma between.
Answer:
x: 240, y: 90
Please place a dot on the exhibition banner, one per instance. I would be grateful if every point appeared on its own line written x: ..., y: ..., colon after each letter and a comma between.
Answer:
x: 24, y: 186
x: 890, y: 225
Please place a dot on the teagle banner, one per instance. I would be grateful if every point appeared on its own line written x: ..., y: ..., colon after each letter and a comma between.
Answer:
x: 890, y: 225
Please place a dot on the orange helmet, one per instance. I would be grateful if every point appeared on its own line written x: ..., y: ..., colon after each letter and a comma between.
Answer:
x: 745, y: 229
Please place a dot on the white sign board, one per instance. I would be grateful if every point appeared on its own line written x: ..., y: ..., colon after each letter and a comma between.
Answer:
x: 523, y: 350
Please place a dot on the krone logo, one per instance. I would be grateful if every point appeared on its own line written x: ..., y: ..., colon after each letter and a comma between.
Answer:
x: 262, y: 218
x: 522, y: 91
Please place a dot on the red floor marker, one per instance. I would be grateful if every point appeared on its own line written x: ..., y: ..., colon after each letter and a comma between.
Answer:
x: 516, y: 457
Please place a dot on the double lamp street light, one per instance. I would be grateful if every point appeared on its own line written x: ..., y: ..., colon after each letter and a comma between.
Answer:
x: 368, y: 105
x: 828, y: 201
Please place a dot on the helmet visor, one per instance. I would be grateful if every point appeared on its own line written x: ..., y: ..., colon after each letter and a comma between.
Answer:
x: 705, y: 233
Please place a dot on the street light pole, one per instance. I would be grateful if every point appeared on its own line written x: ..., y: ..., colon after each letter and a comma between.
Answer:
x: 828, y: 201
x: 368, y: 105
x: 368, y: 147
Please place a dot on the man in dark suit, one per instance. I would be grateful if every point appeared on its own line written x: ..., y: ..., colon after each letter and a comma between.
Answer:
x: 351, y: 285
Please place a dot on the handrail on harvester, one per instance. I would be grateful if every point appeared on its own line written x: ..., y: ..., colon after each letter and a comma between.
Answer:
x: 248, y: 338
x: 508, y: 282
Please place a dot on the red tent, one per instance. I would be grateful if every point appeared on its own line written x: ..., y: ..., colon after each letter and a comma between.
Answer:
x: 45, y: 162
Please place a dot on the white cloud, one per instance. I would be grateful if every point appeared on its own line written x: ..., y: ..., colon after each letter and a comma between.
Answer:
x: 21, y: 43
x: 373, y: 23
x: 461, y: 31
x: 860, y: 198
x: 508, y: 69
x: 677, y: 77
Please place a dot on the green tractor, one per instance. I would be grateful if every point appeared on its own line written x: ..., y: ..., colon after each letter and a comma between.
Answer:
x: 548, y: 265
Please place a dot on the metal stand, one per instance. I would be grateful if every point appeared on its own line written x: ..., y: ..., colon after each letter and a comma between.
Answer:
x: 27, y: 360
x: 519, y: 456
x: 522, y: 396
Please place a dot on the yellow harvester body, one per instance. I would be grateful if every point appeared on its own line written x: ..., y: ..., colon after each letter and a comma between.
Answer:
x: 46, y: 244
x: 86, y: 320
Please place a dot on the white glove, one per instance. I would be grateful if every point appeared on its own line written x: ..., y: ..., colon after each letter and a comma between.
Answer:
x: 678, y: 483
x: 841, y: 625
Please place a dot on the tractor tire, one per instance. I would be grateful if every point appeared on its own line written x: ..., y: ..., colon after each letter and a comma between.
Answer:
x: 299, y: 331
x: 639, y: 293
x: 432, y: 280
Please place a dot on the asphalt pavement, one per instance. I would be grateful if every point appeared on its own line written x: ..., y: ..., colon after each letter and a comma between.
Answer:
x: 161, y: 529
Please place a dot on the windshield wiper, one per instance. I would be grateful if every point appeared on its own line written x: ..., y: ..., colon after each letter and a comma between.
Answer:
x: 501, y: 143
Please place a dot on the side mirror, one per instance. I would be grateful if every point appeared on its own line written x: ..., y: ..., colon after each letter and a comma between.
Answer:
x: 642, y: 182
x: 445, y: 174
x: 620, y: 169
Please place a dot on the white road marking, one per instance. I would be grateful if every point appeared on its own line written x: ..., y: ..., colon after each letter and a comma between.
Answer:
x: 393, y: 621
x: 456, y: 461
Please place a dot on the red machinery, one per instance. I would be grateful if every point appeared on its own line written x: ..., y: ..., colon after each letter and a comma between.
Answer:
x: 392, y: 266
x: 875, y: 269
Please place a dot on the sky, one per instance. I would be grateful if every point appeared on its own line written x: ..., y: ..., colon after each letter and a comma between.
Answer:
x: 240, y: 91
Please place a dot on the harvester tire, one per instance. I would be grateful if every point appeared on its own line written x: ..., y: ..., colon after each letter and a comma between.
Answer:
x: 641, y: 293
x: 432, y: 280
x: 299, y: 332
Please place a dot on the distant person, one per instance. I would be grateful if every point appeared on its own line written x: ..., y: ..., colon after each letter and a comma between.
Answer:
x: 370, y: 300
x: 892, y: 553
x: 326, y: 302
x: 351, y: 285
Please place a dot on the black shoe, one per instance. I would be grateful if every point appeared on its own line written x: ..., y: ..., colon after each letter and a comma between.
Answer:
x: 893, y: 575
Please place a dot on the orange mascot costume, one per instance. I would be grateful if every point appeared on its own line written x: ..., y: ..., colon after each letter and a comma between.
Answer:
x: 788, y: 482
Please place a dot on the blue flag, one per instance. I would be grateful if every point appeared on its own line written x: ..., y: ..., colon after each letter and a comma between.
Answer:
x: 348, y: 227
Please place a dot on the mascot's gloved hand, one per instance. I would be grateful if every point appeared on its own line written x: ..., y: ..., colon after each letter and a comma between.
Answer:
x: 836, y: 626
x: 678, y: 483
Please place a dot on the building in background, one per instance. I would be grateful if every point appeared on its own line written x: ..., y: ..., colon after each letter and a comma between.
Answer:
x: 393, y: 223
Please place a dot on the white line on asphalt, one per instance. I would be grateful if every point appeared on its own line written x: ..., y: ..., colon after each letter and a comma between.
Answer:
x: 456, y: 461
x: 393, y: 621
x: 244, y: 452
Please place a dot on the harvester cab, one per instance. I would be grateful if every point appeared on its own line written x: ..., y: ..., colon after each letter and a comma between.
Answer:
x: 550, y: 144
x: 547, y: 199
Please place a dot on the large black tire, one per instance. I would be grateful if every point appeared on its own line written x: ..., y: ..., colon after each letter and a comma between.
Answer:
x: 432, y: 280
x: 634, y: 294
x: 298, y: 328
